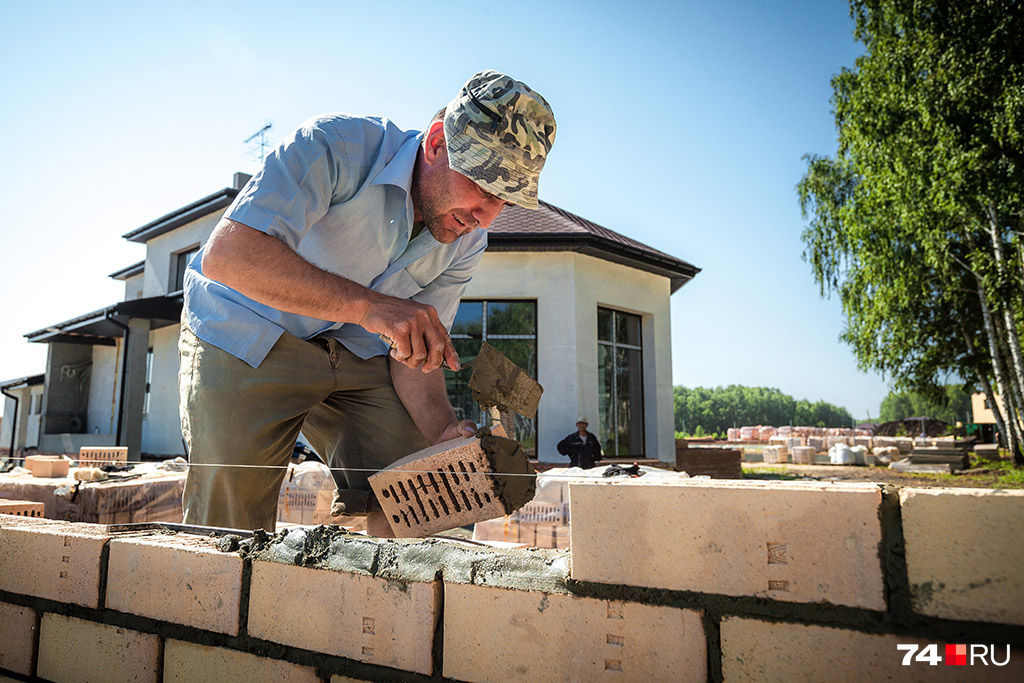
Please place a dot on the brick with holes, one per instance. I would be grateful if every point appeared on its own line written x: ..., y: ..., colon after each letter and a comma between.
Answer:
x: 457, y: 482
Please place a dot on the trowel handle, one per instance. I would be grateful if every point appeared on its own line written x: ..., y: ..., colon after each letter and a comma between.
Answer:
x: 391, y: 344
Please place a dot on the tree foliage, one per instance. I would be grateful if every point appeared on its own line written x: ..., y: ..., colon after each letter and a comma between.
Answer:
x: 916, y: 222
x: 952, y: 405
x: 713, y: 411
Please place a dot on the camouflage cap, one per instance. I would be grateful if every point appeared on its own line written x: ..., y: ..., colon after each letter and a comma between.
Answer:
x: 498, y: 133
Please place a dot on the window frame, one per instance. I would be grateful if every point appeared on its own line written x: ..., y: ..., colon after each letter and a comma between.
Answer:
x: 613, y: 346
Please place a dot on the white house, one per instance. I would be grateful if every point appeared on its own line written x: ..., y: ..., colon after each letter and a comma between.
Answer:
x: 583, y: 308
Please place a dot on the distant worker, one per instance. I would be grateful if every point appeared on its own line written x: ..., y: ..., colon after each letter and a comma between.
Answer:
x: 352, y: 230
x: 581, y: 447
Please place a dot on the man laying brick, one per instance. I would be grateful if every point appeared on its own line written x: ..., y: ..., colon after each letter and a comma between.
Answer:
x: 352, y: 229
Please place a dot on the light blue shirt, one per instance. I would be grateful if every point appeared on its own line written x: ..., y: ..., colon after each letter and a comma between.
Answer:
x: 337, y: 192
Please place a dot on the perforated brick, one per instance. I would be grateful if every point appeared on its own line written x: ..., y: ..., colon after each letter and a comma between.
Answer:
x: 495, y: 634
x: 452, y: 484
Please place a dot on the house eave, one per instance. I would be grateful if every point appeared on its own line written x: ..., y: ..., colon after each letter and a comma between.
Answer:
x: 186, y: 214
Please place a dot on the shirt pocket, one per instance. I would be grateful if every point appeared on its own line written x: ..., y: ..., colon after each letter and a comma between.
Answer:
x: 401, y: 285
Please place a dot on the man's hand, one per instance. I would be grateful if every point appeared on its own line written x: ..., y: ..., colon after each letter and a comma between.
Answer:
x: 463, y: 429
x: 419, y: 339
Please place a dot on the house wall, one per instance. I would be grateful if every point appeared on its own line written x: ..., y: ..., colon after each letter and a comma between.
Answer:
x: 103, y: 391
x: 161, y: 252
x: 767, y: 581
x: 134, y: 286
x: 161, y: 428
x: 568, y: 288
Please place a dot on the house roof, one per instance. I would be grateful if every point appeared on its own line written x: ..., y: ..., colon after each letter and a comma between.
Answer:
x: 128, y: 271
x: 549, y: 228
x: 20, y: 382
x: 102, y: 327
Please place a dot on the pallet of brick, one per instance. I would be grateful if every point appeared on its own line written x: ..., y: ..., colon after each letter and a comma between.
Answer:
x: 21, y: 508
x: 717, y: 463
x: 98, y: 456
x: 804, y: 455
x: 775, y: 455
x: 458, y: 482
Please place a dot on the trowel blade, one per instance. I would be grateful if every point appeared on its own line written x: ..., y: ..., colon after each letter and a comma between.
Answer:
x: 499, y: 382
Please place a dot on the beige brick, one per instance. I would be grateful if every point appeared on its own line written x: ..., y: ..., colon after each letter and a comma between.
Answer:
x: 55, y: 561
x: 193, y: 663
x: 761, y: 651
x: 18, y: 644
x: 445, y: 486
x: 965, y: 550
x: 79, y: 651
x: 365, y: 618
x: 786, y: 541
x: 181, y: 579
x: 501, y: 635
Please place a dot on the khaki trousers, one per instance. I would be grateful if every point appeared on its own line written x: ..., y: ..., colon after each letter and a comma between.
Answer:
x: 234, y: 415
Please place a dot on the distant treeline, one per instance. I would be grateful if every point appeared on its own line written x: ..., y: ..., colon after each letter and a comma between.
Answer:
x: 701, y: 410
x: 951, y: 404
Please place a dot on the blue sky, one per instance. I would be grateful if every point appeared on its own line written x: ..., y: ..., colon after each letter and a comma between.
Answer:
x: 680, y: 124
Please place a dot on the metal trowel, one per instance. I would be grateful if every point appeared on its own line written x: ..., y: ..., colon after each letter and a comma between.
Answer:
x: 498, y: 383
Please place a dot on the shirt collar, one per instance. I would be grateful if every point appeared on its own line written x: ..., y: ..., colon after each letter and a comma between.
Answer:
x: 398, y: 171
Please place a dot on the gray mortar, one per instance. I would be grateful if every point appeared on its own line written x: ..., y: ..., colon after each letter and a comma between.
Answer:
x: 507, y: 457
x: 422, y: 561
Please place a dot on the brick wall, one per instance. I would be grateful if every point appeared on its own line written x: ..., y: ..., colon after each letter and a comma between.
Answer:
x: 692, y: 580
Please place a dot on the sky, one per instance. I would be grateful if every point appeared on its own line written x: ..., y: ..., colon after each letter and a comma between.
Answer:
x: 680, y: 124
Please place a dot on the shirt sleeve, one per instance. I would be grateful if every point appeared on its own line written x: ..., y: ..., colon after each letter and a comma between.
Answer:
x: 445, y: 291
x: 296, y: 186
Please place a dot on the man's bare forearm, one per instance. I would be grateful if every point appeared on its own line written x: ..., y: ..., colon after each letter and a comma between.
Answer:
x: 425, y: 396
x: 265, y: 269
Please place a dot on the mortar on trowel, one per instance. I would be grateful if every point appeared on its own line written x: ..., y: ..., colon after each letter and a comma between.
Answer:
x: 467, y: 479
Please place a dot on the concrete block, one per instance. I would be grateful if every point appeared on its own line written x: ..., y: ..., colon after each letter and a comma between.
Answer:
x: 761, y: 651
x: 455, y: 483
x: 965, y: 550
x: 804, y: 455
x: 194, y: 663
x: 369, y: 619
x: 774, y: 455
x: 182, y: 579
x: 54, y: 561
x: 18, y: 644
x: 501, y: 635
x: 788, y: 541
x: 78, y: 651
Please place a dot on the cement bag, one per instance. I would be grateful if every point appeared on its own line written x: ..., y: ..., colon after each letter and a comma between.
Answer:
x: 841, y: 454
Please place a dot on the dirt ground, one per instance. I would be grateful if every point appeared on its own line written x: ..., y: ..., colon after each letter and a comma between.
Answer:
x: 759, y: 470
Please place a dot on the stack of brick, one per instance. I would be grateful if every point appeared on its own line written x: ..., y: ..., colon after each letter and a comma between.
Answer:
x: 774, y: 455
x: 717, y: 463
x: 756, y: 584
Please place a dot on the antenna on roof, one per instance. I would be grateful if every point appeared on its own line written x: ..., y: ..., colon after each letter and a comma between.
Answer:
x: 258, y: 143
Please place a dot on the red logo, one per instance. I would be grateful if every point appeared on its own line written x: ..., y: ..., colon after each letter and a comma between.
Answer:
x: 956, y: 655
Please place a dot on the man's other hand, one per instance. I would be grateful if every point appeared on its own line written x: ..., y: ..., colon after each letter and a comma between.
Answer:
x: 463, y: 429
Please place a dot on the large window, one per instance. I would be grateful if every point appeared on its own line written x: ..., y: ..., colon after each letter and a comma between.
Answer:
x: 620, y: 384
x: 181, y: 263
x: 510, y: 327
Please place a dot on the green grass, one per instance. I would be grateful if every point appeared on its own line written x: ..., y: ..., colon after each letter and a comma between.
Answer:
x: 775, y: 473
x: 1007, y: 476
